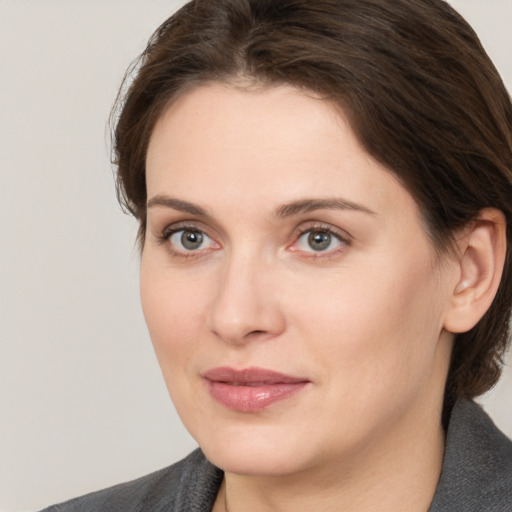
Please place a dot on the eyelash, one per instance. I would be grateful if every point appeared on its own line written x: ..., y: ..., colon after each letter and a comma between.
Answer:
x: 343, y: 238
x: 165, y: 236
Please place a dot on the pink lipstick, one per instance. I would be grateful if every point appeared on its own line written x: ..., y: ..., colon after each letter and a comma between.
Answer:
x: 251, y: 389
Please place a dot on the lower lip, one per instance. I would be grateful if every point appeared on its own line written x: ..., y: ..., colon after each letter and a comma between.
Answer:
x: 252, y: 398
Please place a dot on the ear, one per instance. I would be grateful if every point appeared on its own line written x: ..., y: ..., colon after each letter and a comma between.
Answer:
x: 482, y: 251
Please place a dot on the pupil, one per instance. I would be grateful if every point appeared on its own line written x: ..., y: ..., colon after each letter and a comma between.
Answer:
x: 319, y: 241
x: 191, y: 240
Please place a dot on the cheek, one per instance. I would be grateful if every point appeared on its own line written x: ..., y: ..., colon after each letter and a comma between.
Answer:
x: 374, y: 325
x: 173, y: 310
x: 374, y: 341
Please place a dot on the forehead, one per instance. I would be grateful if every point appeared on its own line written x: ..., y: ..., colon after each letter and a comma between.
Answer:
x: 248, y: 119
x: 278, y: 144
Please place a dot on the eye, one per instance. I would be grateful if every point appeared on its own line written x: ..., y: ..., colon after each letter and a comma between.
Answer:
x: 319, y: 240
x: 189, y: 240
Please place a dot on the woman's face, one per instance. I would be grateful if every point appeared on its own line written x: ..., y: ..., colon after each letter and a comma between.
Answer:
x: 293, y: 298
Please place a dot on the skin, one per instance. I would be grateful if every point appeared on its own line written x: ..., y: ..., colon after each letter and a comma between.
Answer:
x: 362, y: 320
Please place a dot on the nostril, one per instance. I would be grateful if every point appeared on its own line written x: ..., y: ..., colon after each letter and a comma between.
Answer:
x: 255, y: 333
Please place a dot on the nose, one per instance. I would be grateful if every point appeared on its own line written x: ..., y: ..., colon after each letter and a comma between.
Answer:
x: 246, y: 306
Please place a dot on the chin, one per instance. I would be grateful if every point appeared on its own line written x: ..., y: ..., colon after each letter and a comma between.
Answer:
x: 252, y: 461
x: 256, y: 450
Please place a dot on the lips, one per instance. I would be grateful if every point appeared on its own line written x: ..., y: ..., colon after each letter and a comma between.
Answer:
x: 251, y: 389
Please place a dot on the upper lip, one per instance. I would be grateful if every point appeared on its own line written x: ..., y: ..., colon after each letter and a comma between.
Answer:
x: 250, y: 376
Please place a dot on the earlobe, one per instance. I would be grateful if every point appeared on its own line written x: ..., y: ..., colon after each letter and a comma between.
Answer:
x: 481, y: 261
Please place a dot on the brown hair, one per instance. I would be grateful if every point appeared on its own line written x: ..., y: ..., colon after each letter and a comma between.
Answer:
x: 419, y: 90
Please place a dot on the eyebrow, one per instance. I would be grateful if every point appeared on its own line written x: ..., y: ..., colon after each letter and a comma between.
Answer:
x: 310, y: 205
x: 176, y: 204
x: 284, y: 211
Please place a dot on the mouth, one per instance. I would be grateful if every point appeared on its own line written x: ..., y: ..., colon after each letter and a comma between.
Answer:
x: 251, y: 389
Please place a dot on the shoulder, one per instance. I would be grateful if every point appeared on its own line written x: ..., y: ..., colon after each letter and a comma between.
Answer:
x: 477, y: 466
x: 191, y: 484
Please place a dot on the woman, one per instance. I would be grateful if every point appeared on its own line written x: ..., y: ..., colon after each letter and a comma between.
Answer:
x: 323, y: 193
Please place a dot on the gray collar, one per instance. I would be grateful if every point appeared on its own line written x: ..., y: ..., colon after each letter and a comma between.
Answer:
x: 477, y: 466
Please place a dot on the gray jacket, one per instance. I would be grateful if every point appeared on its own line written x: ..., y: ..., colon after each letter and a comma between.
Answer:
x: 476, y: 476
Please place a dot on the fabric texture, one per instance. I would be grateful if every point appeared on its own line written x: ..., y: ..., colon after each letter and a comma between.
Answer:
x: 476, y: 476
x: 477, y: 465
x: 191, y: 485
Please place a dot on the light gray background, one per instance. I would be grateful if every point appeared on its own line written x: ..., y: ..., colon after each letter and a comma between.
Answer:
x: 82, y: 402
